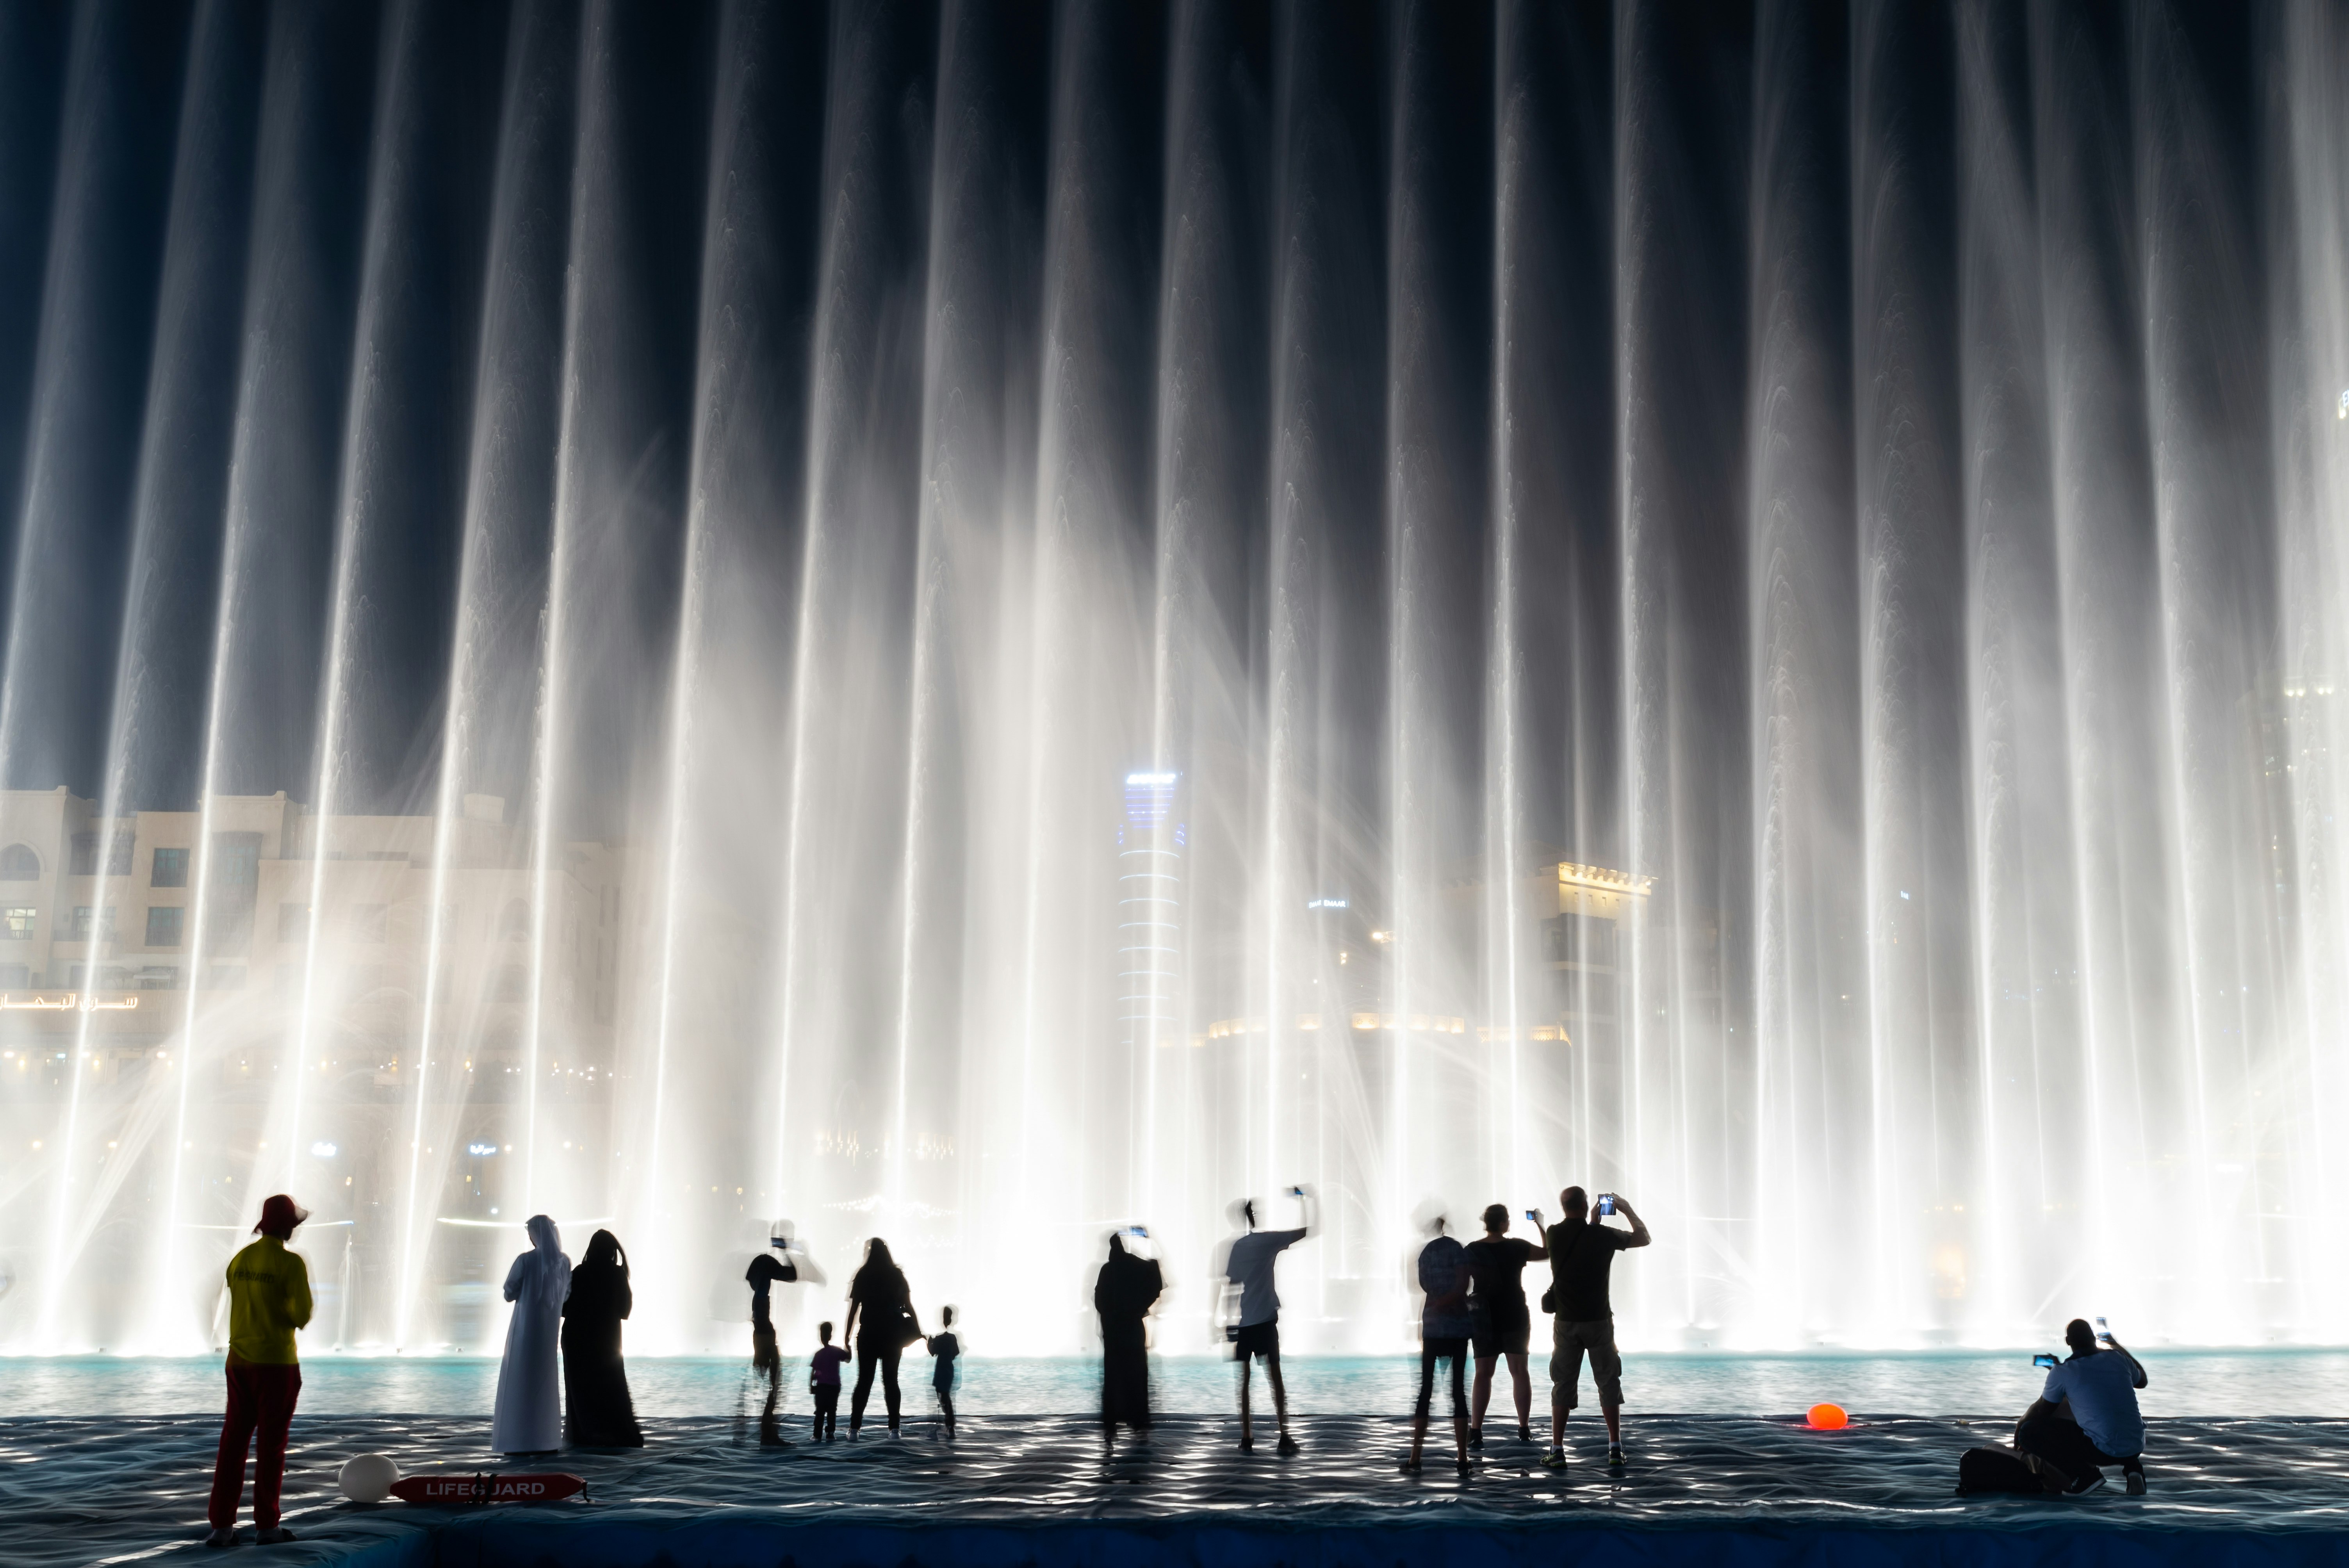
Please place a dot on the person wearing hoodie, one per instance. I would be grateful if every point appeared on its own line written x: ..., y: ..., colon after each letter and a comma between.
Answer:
x: 268, y: 1299
x: 529, y: 1412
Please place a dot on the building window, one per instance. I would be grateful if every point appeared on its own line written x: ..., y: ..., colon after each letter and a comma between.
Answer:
x: 93, y: 921
x: 159, y: 977
x: 513, y: 984
x: 19, y: 863
x: 16, y: 924
x: 514, y: 924
x: 164, y: 925
x: 294, y: 922
x: 16, y: 977
x: 224, y: 977
x: 118, y: 847
x: 369, y: 921
x: 170, y: 869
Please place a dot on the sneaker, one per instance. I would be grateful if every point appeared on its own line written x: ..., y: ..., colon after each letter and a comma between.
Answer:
x: 2054, y: 1480
x: 1287, y: 1446
x: 275, y: 1535
x: 1614, y: 1456
x: 1525, y: 1433
x: 2136, y: 1487
x: 1476, y: 1437
x: 223, y: 1536
x: 2092, y: 1481
x: 1247, y: 1445
x: 1554, y: 1460
x: 1466, y: 1468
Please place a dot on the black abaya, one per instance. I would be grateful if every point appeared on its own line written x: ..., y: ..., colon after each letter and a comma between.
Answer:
x: 598, y: 1413
x: 1124, y: 1295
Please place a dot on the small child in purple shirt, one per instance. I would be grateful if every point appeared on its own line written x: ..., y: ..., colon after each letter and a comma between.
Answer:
x: 823, y: 1382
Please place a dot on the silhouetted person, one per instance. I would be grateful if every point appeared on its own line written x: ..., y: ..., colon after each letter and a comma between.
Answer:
x: 1444, y: 1329
x: 947, y: 1351
x: 1581, y: 1251
x: 1497, y: 1305
x: 597, y: 1411
x: 823, y: 1382
x: 2086, y: 1417
x: 768, y: 1270
x: 268, y: 1299
x: 529, y: 1418
x: 1255, y: 1320
x: 1123, y: 1294
x: 881, y: 1298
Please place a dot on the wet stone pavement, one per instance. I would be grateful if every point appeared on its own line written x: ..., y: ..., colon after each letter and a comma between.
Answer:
x: 124, y: 1489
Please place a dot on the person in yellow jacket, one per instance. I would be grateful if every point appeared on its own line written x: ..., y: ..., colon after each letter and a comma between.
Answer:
x: 268, y: 1299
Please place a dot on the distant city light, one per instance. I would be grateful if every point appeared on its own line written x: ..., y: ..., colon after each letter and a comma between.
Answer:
x: 481, y: 1151
x: 1326, y: 904
x: 1904, y: 893
x: 1151, y: 778
x: 1382, y: 937
x: 322, y: 1150
x: 2345, y: 405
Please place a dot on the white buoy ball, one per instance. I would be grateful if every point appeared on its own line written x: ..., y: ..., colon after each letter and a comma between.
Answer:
x: 368, y: 1478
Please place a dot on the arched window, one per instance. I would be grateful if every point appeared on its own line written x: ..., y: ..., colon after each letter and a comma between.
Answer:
x: 514, y: 924
x: 19, y: 863
x: 512, y: 984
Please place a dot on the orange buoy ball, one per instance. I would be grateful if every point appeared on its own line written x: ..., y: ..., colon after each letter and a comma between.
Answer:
x: 1828, y: 1418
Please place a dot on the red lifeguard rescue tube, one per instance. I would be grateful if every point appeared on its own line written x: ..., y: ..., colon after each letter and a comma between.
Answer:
x: 486, y: 1485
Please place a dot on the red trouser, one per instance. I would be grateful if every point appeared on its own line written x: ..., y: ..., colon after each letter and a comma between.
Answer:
x: 260, y: 1400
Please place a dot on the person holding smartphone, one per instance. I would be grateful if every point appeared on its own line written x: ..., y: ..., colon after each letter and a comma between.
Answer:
x: 1581, y: 1253
x: 1500, y: 1325
x: 1252, y: 1311
x: 2086, y: 1417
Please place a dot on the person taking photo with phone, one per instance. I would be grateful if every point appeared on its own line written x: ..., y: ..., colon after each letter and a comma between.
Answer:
x: 2086, y: 1417
x: 1581, y: 1253
x: 1251, y: 1311
x: 1499, y: 1324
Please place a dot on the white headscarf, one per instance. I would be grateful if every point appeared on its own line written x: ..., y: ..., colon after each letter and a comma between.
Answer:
x: 552, y: 1286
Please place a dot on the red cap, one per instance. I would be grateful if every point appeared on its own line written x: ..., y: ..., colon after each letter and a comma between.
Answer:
x: 281, y: 1213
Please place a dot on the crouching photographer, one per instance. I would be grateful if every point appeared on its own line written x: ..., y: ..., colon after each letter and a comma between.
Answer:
x: 2086, y: 1416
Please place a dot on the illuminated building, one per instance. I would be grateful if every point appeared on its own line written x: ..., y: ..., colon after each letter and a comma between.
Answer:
x: 118, y: 919
x: 1150, y: 839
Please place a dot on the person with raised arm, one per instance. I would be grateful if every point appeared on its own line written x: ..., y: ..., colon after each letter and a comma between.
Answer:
x: 1252, y: 1310
x: 1581, y: 1251
x: 1501, y: 1326
x: 2086, y: 1416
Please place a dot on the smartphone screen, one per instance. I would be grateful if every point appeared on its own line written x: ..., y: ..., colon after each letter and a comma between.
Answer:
x: 1607, y: 1203
x: 1531, y: 1215
x: 2043, y: 1359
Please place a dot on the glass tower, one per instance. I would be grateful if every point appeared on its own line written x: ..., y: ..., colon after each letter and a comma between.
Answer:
x: 1150, y: 844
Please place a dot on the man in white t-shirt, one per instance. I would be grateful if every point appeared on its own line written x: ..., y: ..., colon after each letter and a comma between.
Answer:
x: 2086, y: 1416
x: 1252, y: 1311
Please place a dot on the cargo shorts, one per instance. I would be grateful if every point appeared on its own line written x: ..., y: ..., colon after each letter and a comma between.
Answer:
x: 1569, y: 1340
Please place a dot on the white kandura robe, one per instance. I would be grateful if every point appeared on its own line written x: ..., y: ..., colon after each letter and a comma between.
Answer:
x: 529, y: 1416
